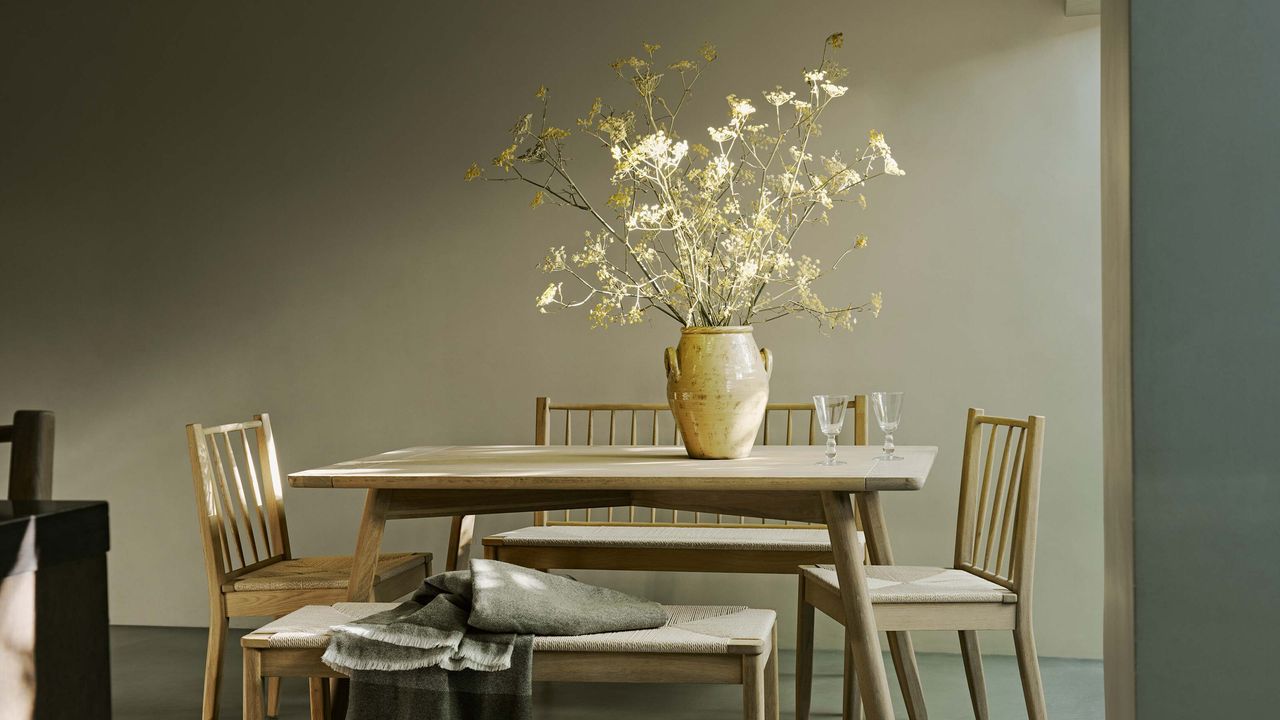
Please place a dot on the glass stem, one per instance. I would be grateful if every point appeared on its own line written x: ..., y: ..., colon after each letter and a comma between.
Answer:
x: 888, y: 444
x: 831, y: 449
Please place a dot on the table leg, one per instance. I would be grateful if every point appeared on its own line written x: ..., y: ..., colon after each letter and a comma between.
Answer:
x: 904, y: 655
x: 460, y: 532
x: 860, y: 619
x: 364, y: 564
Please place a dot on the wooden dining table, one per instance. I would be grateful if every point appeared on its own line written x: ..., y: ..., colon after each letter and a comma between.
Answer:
x: 776, y: 482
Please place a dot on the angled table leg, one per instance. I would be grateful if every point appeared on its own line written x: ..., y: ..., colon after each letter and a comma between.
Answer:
x: 460, y: 531
x: 904, y: 654
x: 364, y: 564
x: 860, y: 619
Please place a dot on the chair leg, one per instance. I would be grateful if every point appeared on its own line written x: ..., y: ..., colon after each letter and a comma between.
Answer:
x: 273, y: 697
x: 1029, y: 668
x: 772, y: 711
x: 904, y: 664
x: 213, y: 663
x: 252, y: 684
x: 851, y: 698
x: 973, y: 672
x: 804, y: 656
x: 319, y: 691
x: 753, y: 687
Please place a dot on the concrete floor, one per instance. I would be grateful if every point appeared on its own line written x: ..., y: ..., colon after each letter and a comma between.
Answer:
x: 156, y: 674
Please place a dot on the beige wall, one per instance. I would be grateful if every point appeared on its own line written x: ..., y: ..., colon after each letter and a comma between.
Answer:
x: 211, y: 212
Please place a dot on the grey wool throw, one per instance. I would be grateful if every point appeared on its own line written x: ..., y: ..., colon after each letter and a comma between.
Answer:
x: 462, y: 648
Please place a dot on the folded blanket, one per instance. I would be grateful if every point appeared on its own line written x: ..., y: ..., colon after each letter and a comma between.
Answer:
x: 462, y: 648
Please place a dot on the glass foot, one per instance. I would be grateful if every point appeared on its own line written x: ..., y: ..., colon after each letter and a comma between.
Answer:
x: 831, y: 462
x: 889, y: 457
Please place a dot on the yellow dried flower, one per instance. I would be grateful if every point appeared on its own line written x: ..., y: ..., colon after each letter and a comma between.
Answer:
x: 621, y: 198
x: 836, y: 40
x: 860, y: 241
x: 683, y: 66
x: 651, y: 48
x: 537, y: 199
x: 541, y: 93
x: 877, y: 302
x: 553, y: 133
x: 707, y: 51
x: 506, y: 158
x: 472, y: 173
x: 862, y: 201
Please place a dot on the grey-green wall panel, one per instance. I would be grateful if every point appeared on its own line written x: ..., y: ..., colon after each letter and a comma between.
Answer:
x: 1206, y: 337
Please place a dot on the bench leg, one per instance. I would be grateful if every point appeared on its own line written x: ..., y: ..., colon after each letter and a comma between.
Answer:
x: 772, y: 711
x: 319, y: 691
x: 252, y: 684
x: 273, y: 697
x: 339, y: 692
x: 753, y: 687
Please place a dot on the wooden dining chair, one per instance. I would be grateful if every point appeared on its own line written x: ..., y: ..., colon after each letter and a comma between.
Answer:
x: 639, y: 538
x: 31, y: 457
x: 987, y: 587
x: 249, y: 564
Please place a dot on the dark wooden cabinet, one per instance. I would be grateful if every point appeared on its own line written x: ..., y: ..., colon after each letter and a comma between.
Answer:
x: 54, y: 656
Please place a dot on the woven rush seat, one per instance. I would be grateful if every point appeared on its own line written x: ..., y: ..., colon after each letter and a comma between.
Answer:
x: 699, y: 629
x: 916, y: 584
x: 669, y: 538
x: 320, y: 573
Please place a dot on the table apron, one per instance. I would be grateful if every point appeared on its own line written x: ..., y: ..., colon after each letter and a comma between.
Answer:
x: 795, y: 505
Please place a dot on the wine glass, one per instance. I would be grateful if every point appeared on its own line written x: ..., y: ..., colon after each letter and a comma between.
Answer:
x: 830, y: 410
x: 888, y: 406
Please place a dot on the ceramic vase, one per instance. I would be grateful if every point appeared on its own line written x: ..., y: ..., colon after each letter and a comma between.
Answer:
x: 718, y: 386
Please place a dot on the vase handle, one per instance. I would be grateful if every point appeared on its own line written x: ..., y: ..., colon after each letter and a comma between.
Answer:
x: 767, y: 357
x: 673, y: 364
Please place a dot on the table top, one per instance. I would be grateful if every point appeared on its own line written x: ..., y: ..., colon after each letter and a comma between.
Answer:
x: 542, y: 467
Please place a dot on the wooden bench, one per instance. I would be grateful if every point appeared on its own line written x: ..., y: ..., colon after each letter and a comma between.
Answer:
x: 699, y: 644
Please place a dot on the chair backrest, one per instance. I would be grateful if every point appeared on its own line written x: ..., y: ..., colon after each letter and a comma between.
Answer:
x: 241, y: 514
x: 653, y: 424
x: 999, y: 498
x: 31, y: 458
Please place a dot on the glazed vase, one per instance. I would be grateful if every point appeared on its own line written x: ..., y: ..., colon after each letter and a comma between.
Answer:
x: 718, y: 386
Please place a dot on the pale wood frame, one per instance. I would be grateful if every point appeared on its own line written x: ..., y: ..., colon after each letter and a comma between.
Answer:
x: 257, y: 525
x: 1117, y: 367
x: 753, y: 664
x: 1012, y: 520
x: 31, y: 457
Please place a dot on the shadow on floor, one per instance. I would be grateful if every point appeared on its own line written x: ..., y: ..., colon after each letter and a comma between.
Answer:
x: 156, y: 674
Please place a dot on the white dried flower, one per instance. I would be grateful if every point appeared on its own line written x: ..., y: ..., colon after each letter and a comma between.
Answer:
x: 721, y: 134
x: 778, y: 97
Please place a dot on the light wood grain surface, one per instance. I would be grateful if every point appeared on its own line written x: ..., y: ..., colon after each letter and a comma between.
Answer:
x: 528, y: 467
